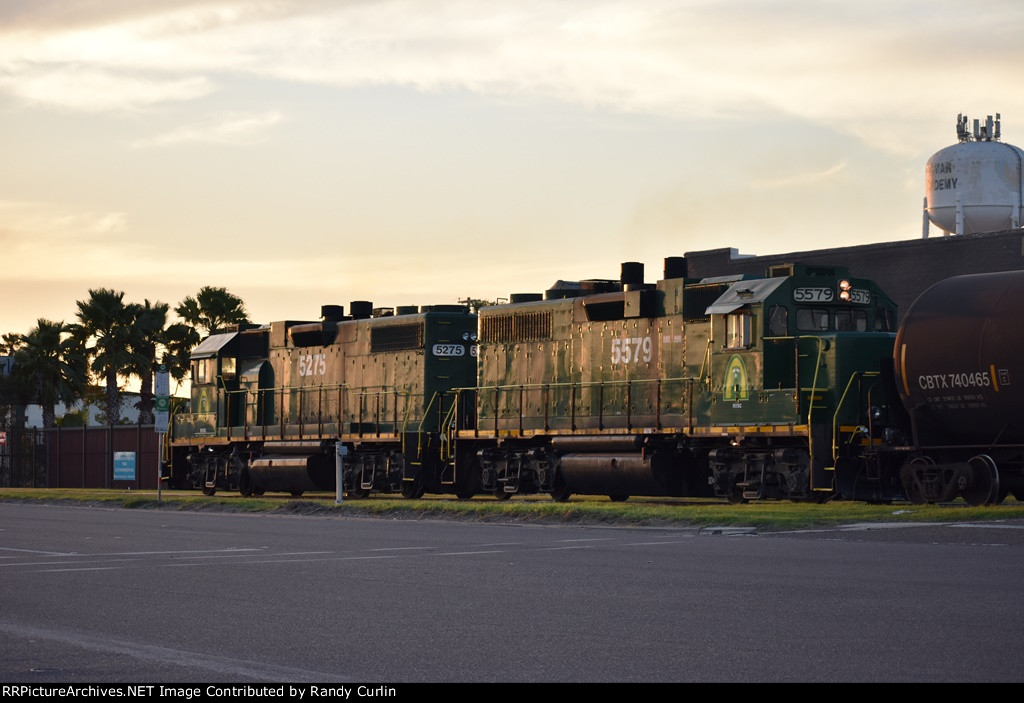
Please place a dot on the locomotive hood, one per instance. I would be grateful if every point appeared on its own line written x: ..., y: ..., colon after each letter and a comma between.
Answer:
x: 210, y: 346
x: 743, y: 293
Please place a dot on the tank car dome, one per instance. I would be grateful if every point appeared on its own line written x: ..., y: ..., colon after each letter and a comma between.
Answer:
x: 975, y: 185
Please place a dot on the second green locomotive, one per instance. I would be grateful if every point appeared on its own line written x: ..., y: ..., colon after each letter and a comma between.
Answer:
x: 730, y: 387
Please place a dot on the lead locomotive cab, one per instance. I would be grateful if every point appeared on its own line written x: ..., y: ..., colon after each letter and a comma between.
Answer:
x: 793, y: 360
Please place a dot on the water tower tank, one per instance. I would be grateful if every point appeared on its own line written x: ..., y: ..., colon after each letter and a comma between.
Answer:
x: 975, y: 185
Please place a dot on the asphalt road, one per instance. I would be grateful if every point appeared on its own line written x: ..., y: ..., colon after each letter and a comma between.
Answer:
x: 110, y: 595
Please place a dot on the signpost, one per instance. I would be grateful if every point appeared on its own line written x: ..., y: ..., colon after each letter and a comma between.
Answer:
x: 162, y: 413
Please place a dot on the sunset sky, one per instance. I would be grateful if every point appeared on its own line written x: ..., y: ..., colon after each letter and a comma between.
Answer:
x: 406, y: 152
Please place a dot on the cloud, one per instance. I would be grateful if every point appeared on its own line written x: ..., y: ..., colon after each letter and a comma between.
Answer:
x: 51, y: 240
x: 231, y: 130
x: 799, y: 179
x: 98, y: 91
x: 828, y: 62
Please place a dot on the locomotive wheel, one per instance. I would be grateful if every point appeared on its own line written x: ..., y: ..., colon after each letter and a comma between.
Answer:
x: 735, y: 496
x: 500, y: 494
x: 560, y: 493
x: 464, y: 494
x: 245, y: 487
x: 618, y: 498
x: 984, y: 486
x: 413, y: 490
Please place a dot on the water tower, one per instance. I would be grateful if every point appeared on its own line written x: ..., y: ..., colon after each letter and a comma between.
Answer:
x: 975, y: 185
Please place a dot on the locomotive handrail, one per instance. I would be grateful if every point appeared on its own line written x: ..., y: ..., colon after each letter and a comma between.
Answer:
x: 600, y: 386
x: 821, y: 343
x: 321, y: 390
x: 419, y: 431
x: 448, y: 425
x: 839, y: 404
x: 705, y: 363
x: 810, y: 407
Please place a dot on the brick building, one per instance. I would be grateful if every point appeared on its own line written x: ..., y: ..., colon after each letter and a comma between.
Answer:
x: 903, y: 269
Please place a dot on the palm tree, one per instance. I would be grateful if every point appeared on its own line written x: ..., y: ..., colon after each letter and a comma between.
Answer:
x: 212, y: 309
x: 107, y: 322
x: 147, y: 335
x: 50, y: 367
x: 180, y: 339
x: 152, y: 337
x: 12, y: 397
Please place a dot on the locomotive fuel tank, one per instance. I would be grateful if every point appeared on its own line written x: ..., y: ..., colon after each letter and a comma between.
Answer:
x: 958, y: 361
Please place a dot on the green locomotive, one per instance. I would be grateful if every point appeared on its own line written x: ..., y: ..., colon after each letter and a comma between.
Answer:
x: 742, y: 388
x: 273, y: 407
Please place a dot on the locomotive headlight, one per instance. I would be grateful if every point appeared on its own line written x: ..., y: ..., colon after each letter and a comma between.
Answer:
x: 844, y: 290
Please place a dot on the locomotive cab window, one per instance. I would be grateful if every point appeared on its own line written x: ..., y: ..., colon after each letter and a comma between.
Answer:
x: 778, y: 321
x: 851, y: 320
x: 812, y: 319
x: 737, y: 331
x: 884, y: 321
x: 202, y: 371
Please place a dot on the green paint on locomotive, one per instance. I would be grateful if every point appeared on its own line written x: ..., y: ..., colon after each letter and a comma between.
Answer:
x: 681, y: 355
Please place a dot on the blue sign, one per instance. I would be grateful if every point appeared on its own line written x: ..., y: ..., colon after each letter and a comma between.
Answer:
x: 124, y: 466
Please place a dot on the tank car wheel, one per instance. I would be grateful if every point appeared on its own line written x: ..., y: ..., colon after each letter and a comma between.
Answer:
x: 465, y: 494
x: 209, y: 491
x: 413, y: 490
x: 359, y: 493
x: 984, y: 486
x: 296, y: 493
x: 501, y: 494
x: 258, y: 490
x: 911, y: 485
x: 618, y: 497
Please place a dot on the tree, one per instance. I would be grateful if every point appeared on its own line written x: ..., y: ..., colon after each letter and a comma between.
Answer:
x: 12, y: 400
x: 212, y: 309
x: 152, y: 337
x: 105, y: 330
x: 180, y: 339
x: 50, y: 367
x: 147, y: 334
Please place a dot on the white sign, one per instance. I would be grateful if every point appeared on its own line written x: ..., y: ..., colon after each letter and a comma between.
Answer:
x: 162, y: 399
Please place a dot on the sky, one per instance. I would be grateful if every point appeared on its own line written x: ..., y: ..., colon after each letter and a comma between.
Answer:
x: 310, y: 152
